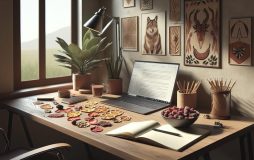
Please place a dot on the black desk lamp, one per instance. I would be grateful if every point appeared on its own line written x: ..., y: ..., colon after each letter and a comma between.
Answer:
x: 95, y: 23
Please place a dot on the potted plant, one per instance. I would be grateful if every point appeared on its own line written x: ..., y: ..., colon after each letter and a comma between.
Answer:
x: 114, y: 66
x: 81, y: 61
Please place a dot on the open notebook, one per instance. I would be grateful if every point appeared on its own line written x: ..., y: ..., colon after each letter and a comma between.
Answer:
x: 166, y: 136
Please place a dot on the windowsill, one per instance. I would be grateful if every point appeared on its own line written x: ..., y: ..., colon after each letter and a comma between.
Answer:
x: 35, y: 91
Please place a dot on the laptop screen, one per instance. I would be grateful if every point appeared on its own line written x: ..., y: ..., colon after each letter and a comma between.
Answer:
x: 153, y: 80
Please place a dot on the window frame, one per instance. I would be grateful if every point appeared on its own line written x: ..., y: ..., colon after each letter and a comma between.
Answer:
x: 42, y: 81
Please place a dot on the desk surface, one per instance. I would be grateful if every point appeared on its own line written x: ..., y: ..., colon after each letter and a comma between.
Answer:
x: 128, y: 149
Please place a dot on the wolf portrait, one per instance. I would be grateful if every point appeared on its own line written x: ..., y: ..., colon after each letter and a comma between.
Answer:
x: 152, y: 38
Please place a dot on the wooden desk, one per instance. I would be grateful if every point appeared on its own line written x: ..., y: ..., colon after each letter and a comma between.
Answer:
x: 129, y: 150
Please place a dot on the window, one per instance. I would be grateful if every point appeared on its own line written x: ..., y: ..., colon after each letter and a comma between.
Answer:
x: 37, y: 23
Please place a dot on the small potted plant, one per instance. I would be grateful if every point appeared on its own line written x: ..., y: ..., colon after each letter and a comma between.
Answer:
x: 114, y: 66
x: 81, y: 61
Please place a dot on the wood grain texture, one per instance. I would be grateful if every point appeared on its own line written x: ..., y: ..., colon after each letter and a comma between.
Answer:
x: 128, y: 149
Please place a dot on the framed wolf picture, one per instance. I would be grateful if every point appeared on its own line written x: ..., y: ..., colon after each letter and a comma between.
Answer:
x: 153, y: 33
x: 202, y: 33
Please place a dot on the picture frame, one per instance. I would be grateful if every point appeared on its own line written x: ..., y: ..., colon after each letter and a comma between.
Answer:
x: 128, y: 3
x: 174, y: 39
x: 153, y: 32
x: 129, y: 33
x: 202, y: 33
x: 146, y: 5
x: 240, y: 41
x: 175, y: 10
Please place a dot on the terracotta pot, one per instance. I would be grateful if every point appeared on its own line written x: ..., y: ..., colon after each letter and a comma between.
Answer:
x: 115, y: 86
x: 97, y: 90
x: 81, y: 81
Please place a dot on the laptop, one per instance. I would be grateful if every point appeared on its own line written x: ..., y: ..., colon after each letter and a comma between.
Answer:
x: 150, y: 89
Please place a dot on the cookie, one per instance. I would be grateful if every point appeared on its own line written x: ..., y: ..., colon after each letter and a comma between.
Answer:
x: 117, y: 120
x: 107, y: 116
x: 101, y: 109
x: 82, y: 124
x: 46, y: 106
x: 125, y: 118
x: 116, y: 112
x: 87, y: 110
x: 73, y: 114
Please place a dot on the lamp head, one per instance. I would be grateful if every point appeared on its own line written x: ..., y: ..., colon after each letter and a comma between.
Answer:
x: 96, y: 21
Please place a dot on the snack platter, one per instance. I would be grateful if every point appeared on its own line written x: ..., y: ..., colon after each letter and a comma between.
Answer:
x: 90, y: 114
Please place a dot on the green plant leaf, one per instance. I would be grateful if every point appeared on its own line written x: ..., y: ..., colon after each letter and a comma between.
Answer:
x: 92, y: 42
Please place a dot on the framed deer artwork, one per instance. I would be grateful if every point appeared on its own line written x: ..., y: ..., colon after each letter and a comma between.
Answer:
x: 202, y: 33
x: 240, y: 42
x: 153, y: 33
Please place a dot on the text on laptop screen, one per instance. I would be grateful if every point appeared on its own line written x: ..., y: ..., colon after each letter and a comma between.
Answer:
x: 153, y: 80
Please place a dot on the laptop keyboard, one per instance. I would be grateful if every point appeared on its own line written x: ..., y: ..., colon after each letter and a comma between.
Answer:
x: 142, y: 102
x: 136, y: 104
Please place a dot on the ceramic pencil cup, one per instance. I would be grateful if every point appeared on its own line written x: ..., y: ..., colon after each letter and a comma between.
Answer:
x: 97, y: 90
x: 186, y: 99
x: 220, y: 104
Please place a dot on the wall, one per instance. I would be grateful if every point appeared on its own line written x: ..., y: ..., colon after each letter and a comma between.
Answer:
x: 243, y: 92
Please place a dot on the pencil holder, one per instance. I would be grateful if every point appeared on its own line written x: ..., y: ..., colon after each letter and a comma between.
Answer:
x: 221, y: 104
x: 186, y: 99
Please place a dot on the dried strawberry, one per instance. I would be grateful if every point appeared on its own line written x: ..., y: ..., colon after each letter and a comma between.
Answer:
x: 93, y: 121
x: 73, y: 118
x: 96, y: 129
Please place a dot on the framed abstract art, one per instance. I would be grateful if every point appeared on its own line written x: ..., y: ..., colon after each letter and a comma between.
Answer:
x: 175, y: 40
x: 129, y: 30
x: 240, y: 42
x: 128, y: 3
x: 146, y: 4
x: 202, y: 33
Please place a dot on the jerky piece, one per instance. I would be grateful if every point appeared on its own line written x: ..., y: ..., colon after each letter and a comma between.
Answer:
x: 125, y: 118
x: 82, y: 124
x: 96, y: 129
x: 93, y: 121
x: 105, y: 124
x: 73, y: 118
x: 93, y: 114
x: 71, y: 106
x: 56, y: 115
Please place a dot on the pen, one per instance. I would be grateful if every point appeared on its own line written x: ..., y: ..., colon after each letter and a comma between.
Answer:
x: 167, y: 132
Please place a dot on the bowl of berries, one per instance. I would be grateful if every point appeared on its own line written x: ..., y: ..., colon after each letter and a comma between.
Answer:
x: 180, y: 117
